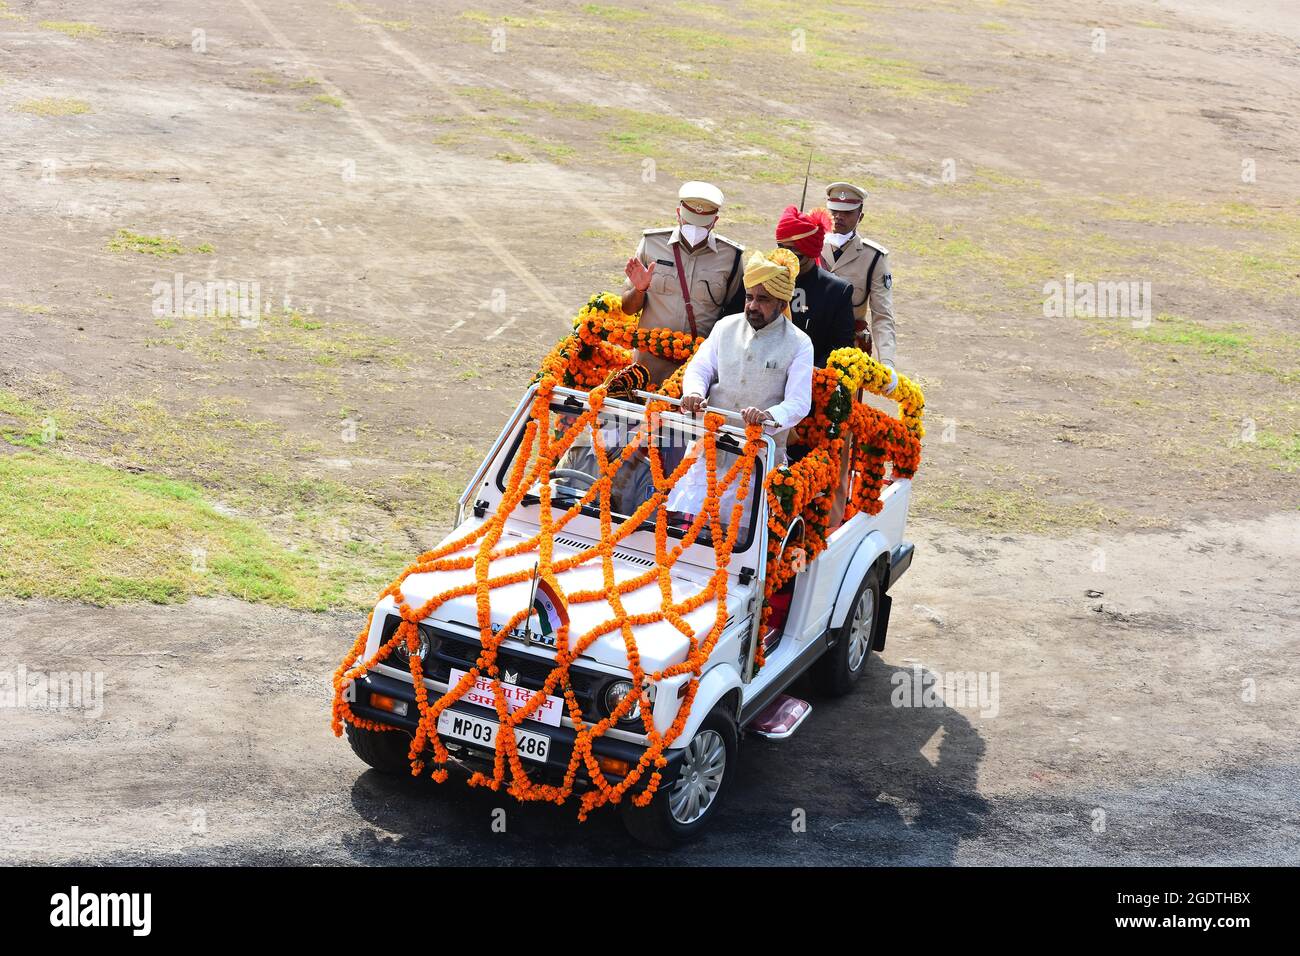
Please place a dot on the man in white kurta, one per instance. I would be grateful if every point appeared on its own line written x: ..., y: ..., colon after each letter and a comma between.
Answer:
x: 756, y: 363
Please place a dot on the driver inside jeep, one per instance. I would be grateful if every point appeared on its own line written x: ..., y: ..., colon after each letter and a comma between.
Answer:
x: 756, y: 362
x: 631, y: 486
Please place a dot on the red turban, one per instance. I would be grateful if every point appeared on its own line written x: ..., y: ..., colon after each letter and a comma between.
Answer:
x: 804, y: 231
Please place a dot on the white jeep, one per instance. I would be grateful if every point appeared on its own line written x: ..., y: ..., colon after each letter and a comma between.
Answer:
x: 838, y: 612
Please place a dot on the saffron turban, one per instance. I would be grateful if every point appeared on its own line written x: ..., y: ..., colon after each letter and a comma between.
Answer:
x: 775, y: 272
x: 805, y: 231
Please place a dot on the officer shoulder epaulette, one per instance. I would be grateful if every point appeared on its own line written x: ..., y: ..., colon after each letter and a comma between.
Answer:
x: 874, y: 245
x: 735, y: 245
x: 656, y: 232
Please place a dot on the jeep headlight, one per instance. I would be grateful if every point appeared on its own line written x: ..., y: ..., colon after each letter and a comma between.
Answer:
x: 422, y: 651
x: 614, y: 695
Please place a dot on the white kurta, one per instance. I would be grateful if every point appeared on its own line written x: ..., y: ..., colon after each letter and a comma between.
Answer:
x: 737, y: 367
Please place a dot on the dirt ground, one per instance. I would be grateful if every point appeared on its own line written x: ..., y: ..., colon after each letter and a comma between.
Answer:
x: 1106, y: 515
x: 1130, y: 705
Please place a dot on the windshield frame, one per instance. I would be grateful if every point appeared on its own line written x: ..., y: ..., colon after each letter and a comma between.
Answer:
x: 574, y: 402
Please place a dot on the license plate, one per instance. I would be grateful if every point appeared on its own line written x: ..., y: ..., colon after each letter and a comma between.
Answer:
x: 483, y: 732
x: 548, y: 712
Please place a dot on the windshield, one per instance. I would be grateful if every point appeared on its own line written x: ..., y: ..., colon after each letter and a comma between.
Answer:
x: 633, y: 484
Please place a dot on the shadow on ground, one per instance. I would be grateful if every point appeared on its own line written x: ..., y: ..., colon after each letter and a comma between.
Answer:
x: 855, y: 776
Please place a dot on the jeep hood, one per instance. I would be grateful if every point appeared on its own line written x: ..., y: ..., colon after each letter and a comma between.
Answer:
x: 660, y: 644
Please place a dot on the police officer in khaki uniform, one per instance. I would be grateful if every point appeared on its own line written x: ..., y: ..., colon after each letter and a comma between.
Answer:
x: 864, y: 264
x: 687, y: 277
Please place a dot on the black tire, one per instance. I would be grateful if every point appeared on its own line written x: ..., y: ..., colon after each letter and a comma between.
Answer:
x: 385, y: 750
x: 657, y: 825
x: 839, y: 668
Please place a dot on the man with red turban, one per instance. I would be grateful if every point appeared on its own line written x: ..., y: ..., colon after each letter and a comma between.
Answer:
x: 823, y: 303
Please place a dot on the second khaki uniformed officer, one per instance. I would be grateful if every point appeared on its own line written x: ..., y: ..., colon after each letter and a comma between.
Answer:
x: 866, y: 265
x: 687, y: 277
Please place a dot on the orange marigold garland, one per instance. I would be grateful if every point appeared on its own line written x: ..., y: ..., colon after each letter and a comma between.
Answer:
x: 603, y: 340
x: 597, y: 357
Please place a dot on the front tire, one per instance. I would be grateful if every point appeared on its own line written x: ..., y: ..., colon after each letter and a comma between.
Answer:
x: 683, y: 808
x: 385, y: 750
x: 839, y: 668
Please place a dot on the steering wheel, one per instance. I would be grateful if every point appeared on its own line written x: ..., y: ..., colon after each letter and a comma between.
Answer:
x: 572, y: 474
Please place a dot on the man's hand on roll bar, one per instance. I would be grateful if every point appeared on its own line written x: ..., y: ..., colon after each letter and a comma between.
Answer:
x: 694, y: 404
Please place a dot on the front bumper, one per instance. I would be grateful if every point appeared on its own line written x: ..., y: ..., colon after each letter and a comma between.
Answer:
x: 558, y: 754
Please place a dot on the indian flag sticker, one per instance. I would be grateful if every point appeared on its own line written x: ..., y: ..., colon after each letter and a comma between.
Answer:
x: 551, y: 612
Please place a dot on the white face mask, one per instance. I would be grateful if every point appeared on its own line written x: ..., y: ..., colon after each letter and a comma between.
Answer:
x: 694, y: 234
x: 839, y: 238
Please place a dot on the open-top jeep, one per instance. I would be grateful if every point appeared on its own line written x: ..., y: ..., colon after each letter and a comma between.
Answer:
x: 580, y: 632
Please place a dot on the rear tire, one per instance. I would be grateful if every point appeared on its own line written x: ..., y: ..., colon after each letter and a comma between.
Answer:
x: 385, y: 750
x: 683, y: 808
x: 839, y: 669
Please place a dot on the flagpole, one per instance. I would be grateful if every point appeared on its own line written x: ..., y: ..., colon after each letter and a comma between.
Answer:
x: 808, y: 172
x: 532, y: 597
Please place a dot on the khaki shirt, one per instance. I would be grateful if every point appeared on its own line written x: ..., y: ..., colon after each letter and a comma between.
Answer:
x: 864, y: 261
x: 714, y: 276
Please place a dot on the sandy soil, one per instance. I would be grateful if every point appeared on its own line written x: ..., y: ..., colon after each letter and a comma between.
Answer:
x: 382, y: 170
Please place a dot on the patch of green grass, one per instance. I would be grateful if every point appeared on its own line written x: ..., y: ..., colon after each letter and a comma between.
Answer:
x: 643, y: 133
x: 1268, y: 271
x: 673, y: 141
x: 328, y: 100
x: 822, y: 19
x: 1233, y: 348
x: 983, y: 507
x: 701, y: 41
x: 78, y: 31
x: 22, y: 424
x: 525, y: 23
x: 450, y: 138
x: 996, y: 26
x: 549, y: 148
x: 887, y: 74
x: 54, y: 106
x: 28, y: 307
x: 511, y: 157
x: 707, y: 11
x: 617, y: 14
x: 277, y: 332
x: 613, y: 237
x: 364, y: 13
x: 486, y: 97
x: 162, y: 246
x: 82, y: 531
x: 984, y: 179
x: 685, y: 72
x: 141, y: 432
x: 434, y: 491
x: 1284, y: 448
x: 254, y: 470
x: 1283, y: 221
x: 1172, y: 330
